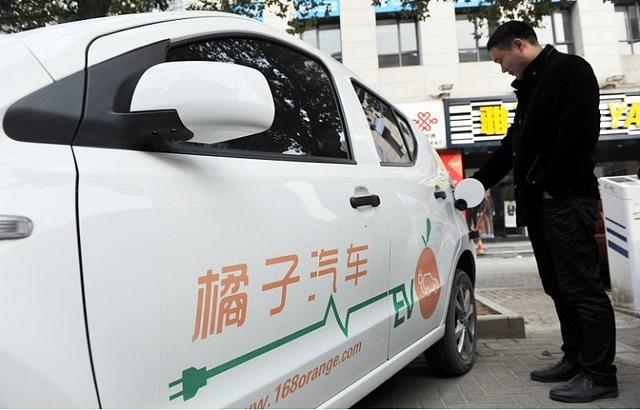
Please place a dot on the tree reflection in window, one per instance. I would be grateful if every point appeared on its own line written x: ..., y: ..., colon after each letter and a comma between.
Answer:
x: 307, y: 120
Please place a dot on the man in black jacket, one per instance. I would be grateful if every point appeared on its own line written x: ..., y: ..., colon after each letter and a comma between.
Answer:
x: 550, y: 146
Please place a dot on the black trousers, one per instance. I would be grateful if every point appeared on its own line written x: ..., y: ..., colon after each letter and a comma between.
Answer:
x: 563, y: 241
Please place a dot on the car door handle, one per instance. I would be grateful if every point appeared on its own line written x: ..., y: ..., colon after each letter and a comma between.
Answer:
x: 358, y: 201
x: 440, y: 194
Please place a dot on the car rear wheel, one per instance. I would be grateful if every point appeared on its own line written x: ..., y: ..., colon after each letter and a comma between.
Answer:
x: 453, y: 355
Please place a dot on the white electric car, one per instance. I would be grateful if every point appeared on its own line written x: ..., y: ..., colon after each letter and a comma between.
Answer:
x: 198, y: 210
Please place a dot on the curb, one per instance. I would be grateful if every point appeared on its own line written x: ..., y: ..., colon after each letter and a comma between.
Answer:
x: 505, y: 324
x: 504, y: 254
x: 505, y: 251
x: 492, y: 247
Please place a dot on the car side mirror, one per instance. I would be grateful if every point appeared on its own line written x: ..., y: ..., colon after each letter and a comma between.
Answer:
x: 468, y: 193
x: 217, y: 102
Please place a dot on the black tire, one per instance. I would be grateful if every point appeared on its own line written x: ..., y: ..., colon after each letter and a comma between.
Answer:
x: 453, y: 355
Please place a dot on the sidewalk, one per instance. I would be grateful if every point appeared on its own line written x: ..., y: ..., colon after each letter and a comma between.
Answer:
x: 542, y: 344
x: 500, y: 379
x: 507, y: 277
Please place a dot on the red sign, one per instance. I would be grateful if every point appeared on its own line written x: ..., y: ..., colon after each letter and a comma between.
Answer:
x: 453, y: 162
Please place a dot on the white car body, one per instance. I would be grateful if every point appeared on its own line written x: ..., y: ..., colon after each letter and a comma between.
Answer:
x: 154, y: 278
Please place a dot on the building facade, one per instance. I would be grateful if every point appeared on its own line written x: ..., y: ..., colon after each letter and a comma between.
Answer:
x: 440, y: 74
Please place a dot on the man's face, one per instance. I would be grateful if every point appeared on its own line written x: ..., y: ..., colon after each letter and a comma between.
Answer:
x: 513, y: 60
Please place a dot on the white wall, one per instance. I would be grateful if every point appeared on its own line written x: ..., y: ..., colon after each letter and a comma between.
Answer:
x: 596, y: 38
x: 359, y: 49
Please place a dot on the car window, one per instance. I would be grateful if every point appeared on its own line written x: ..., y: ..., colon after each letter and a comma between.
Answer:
x: 385, y: 131
x: 408, y: 135
x: 307, y: 118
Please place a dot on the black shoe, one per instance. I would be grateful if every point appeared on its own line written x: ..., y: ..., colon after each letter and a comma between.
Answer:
x: 560, y: 372
x: 582, y: 390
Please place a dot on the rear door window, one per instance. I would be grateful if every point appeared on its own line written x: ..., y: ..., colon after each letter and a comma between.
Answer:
x: 389, y: 134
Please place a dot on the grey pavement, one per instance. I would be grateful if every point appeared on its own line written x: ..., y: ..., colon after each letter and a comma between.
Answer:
x: 507, y: 277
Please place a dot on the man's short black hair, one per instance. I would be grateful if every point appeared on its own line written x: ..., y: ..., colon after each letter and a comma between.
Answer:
x: 505, y: 34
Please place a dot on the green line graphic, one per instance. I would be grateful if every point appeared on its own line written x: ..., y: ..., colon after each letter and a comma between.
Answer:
x: 195, y: 378
x: 426, y: 240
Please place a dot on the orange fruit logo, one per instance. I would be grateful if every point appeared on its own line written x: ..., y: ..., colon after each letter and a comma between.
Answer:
x: 427, y: 279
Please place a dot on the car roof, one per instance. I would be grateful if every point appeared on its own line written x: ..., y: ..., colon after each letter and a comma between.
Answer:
x: 61, y: 49
x: 70, y: 40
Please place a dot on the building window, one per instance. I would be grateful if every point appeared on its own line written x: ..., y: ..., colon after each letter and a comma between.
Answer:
x: 472, y: 39
x: 397, y: 43
x: 473, y: 35
x: 557, y: 30
x: 627, y: 18
x: 325, y: 37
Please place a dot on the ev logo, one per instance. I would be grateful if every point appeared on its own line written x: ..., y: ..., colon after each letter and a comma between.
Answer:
x: 427, y: 279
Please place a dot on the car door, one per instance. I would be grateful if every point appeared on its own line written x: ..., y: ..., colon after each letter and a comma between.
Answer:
x: 44, y: 358
x: 422, y: 230
x: 248, y: 273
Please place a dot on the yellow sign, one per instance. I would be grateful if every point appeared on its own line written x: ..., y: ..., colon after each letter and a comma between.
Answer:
x: 494, y: 120
x: 630, y: 114
x: 472, y: 122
